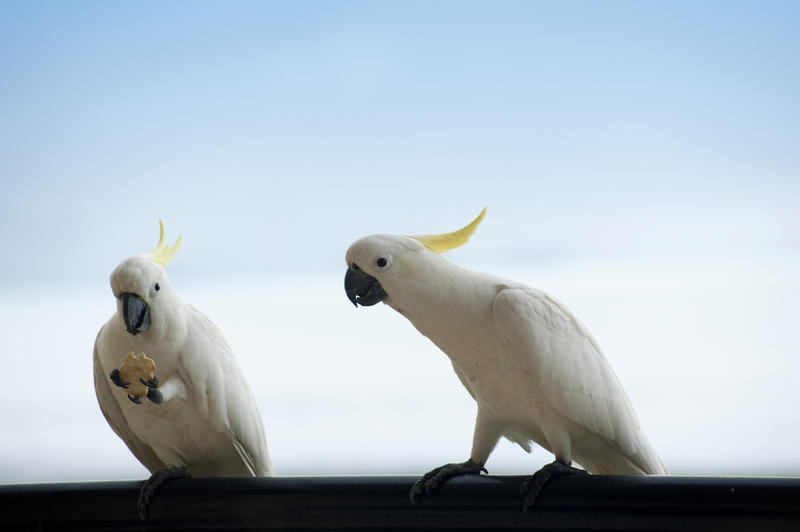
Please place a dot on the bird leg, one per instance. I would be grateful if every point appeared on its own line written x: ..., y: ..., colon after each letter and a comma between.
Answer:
x: 431, y: 480
x: 534, y: 484
x: 153, y: 484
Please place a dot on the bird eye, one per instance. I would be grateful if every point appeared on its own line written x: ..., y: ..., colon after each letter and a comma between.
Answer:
x: 156, y: 287
x: 381, y: 262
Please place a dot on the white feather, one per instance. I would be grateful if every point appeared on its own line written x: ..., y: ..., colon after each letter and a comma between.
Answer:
x: 567, y: 369
x: 209, y: 421
x: 534, y: 370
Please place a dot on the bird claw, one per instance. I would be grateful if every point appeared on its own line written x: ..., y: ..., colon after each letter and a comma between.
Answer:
x: 152, y: 392
x: 152, y: 383
x: 532, y: 486
x: 116, y: 379
x: 153, y: 484
x: 137, y: 400
x: 431, y: 480
x: 155, y: 396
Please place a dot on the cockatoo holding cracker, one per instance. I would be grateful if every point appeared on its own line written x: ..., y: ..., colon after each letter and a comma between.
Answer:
x: 199, y: 416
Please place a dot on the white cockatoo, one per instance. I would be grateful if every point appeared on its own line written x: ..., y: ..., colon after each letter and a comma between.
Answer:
x: 532, y: 367
x: 201, y: 418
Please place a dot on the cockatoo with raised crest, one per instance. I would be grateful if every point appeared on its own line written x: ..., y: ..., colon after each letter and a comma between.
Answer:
x: 534, y: 370
x: 200, y: 417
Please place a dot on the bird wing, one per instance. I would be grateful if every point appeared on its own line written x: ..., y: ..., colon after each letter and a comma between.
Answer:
x: 209, y: 368
x: 567, y: 367
x: 113, y: 414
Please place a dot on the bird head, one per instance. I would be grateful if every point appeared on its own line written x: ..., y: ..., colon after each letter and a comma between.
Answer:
x: 380, y: 265
x: 141, y: 286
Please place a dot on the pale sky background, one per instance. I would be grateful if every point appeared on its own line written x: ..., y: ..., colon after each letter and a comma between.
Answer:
x: 640, y: 162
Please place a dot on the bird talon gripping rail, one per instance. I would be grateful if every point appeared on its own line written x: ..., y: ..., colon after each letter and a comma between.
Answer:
x: 576, y: 502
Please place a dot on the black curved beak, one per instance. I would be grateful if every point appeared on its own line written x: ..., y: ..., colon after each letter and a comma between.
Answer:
x: 362, y: 288
x: 135, y: 312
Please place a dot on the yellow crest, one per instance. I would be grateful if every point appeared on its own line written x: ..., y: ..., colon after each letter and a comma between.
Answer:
x: 448, y: 241
x: 163, y: 253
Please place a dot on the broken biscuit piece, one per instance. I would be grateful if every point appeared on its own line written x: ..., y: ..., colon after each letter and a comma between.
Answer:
x: 137, y: 370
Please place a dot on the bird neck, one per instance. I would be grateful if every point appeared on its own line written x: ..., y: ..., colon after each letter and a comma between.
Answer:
x: 444, y: 303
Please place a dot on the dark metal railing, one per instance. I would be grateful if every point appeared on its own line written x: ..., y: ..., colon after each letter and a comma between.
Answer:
x: 370, y: 503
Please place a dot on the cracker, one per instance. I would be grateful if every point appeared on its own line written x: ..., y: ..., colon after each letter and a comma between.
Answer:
x: 134, y: 368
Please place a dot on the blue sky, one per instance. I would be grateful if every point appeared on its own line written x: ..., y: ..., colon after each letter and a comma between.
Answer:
x: 116, y: 113
x: 632, y: 148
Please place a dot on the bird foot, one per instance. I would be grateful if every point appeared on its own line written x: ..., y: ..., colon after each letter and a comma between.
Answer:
x: 153, y: 393
x: 116, y: 379
x: 533, y: 485
x: 153, y: 484
x: 432, y: 479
